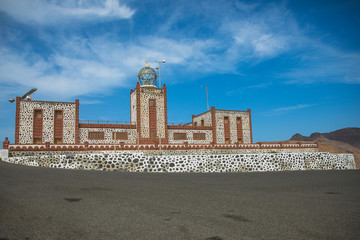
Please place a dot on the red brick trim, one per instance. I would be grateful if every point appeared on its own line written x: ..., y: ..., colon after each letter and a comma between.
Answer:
x: 227, y: 129
x: 179, y: 133
x: 148, y: 87
x: 38, y: 125
x: 202, y: 136
x: 153, y: 146
x: 47, y: 101
x: 213, y: 123
x: 152, y: 117
x: 6, y: 143
x: 95, y: 125
x: 126, y: 138
x: 77, y: 125
x: 239, y: 130
x: 165, y: 116
x: 195, y: 116
x: 138, y: 105
x: 229, y: 110
x: 58, y: 125
x: 190, y: 127
x: 251, y: 138
x: 103, y: 134
x: 131, y: 91
x: 17, y: 121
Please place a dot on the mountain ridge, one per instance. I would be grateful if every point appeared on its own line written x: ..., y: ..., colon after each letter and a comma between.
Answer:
x: 350, y: 135
x: 345, y: 140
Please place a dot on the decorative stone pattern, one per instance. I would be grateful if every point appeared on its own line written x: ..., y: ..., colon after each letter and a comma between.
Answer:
x: 84, y: 133
x: 138, y: 162
x: 202, y: 151
x: 206, y: 116
x: 27, y: 118
x: 228, y: 151
x: 133, y: 107
x: 158, y: 95
x: 220, y: 114
x: 189, y: 135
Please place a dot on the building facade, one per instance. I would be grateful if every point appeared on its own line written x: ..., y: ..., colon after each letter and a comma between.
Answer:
x: 57, y: 123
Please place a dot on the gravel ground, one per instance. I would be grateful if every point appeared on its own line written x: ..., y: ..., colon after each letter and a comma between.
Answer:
x: 41, y: 203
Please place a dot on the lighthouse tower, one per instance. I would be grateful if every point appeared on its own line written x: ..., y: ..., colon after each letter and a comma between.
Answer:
x: 148, y: 108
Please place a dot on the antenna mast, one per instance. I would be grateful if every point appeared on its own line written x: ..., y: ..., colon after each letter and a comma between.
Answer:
x: 207, y: 98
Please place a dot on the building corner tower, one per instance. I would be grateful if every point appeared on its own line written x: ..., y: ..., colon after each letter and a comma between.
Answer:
x: 148, y: 108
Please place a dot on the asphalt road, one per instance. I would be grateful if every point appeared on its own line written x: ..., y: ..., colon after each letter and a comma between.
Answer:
x: 40, y: 203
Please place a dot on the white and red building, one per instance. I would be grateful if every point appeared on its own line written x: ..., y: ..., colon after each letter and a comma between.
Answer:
x: 46, y: 125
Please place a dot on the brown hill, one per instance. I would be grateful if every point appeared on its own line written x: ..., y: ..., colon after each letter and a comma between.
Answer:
x: 346, y: 135
x: 345, y: 140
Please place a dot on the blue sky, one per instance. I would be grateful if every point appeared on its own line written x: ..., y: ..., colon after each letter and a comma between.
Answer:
x: 295, y: 64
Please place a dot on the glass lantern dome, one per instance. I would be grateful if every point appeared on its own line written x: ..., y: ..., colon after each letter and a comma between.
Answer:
x: 147, y: 76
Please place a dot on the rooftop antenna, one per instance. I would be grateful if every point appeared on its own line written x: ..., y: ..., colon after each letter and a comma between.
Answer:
x: 207, y: 96
x: 160, y: 62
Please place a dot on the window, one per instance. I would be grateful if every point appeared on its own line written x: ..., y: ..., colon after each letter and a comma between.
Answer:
x: 226, y: 119
x: 37, y: 140
x: 238, y: 120
x: 179, y: 136
x: 96, y: 135
x: 195, y: 124
x: 240, y: 140
x: 152, y: 102
x: 227, y: 140
x: 153, y: 134
x: 199, y: 136
x: 38, y: 114
x: 58, y: 114
x: 58, y: 141
x: 120, y: 135
x: 202, y: 122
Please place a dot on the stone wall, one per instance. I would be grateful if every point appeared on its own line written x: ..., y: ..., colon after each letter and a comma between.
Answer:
x: 190, y: 136
x: 133, y: 109
x: 228, y: 151
x: 219, y: 116
x: 206, y: 116
x: 27, y: 116
x: 108, y: 135
x: 138, y: 162
x: 158, y: 95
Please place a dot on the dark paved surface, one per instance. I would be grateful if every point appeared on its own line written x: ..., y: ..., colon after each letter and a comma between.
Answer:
x: 39, y: 203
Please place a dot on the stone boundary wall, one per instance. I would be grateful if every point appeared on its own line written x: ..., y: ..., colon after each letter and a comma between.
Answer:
x: 139, y: 162
x: 169, y: 152
x: 290, y: 147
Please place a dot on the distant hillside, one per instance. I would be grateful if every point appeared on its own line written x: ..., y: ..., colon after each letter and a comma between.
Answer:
x: 346, y: 135
x: 346, y: 140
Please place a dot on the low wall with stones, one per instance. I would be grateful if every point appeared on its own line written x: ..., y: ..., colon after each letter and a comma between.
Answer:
x: 139, y: 162
x: 171, y: 152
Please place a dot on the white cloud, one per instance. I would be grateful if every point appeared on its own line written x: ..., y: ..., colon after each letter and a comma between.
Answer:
x: 87, y: 65
x: 323, y: 63
x: 74, y: 76
x: 261, y: 32
x: 97, y: 65
x: 290, y: 108
x: 88, y: 101
x: 256, y: 42
x: 285, y: 110
x: 55, y: 12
